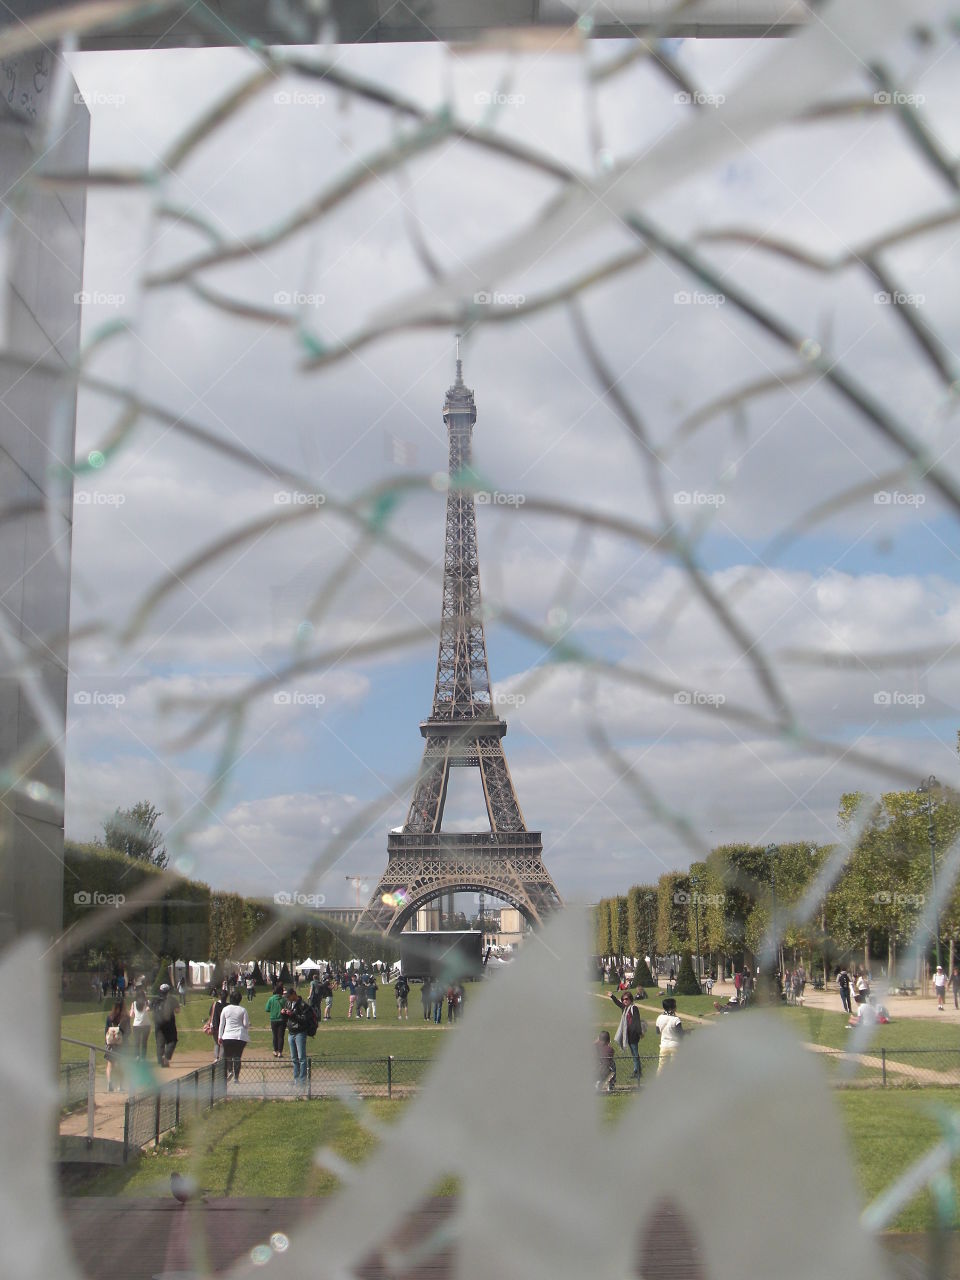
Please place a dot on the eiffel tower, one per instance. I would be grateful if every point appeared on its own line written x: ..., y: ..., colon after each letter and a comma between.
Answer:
x: 463, y: 731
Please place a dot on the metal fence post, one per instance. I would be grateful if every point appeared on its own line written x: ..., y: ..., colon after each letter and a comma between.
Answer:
x: 390, y: 1075
x: 176, y: 1118
x: 883, y: 1066
x: 91, y: 1092
x: 126, y: 1130
x: 156, y: 1121
x: 309, y: 1079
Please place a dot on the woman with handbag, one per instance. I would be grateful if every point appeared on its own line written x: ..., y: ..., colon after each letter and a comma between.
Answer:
x: 212, y: 1025
x: 140, y: 1024
x: 115, y: 1033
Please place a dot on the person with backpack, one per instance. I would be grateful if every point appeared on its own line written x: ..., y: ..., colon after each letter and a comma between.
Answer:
x: 630, y: 1030
x: 353, y: 991
x: 325, y: 993
x: 403, y: 993
x: 212, y: 1025
x: 298, y: 1017
x: 274, y: 1013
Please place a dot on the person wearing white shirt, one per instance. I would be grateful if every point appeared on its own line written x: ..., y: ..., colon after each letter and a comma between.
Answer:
x: 940, y: 986
x: 669, y: 1029
x: 234, y: 1032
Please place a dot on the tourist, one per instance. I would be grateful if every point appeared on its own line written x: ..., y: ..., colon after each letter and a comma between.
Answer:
x: 940, y: 986
x: 354, y: 990
x: 362, y: 996
x: 798, y: 982
x: 234, y: 1033
x: 458, y: 1003
x: 436, y: 1001
x: 181, y: 991
x: 251, y: 987
x: 451, y: 998
x: 140, y: 1024
x: 213, y: 1022
x: 275, y: 1014
x: 955, y: 986
x: 843, y: 982
x: 115, y: 1034
x: 630, y: 1030
x: 294, y: 1014
x: 737, y: 983
x: 403, y: 994
x: 606, y: 1064
x: 371, y: 995
x: 425, y: 999
x: 669, y: 1029
x: 165, y: 1024
x: 326, y: 995
x: 862, y: 987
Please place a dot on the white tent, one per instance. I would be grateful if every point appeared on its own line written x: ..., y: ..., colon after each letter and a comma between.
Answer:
x: 307, y: 964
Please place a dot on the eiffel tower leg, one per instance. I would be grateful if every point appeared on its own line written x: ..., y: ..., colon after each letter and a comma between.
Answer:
x: 430, y: 792
x: 503, y: 807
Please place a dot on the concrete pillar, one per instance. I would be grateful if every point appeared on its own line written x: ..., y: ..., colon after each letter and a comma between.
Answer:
x: 41, y: 322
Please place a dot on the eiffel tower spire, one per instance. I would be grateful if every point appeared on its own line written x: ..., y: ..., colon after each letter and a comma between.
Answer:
x: 462, y: 731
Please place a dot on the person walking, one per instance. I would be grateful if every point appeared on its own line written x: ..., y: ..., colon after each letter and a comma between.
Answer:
x: 955, y: 986
x: 737, y: 983
x: 275, y: 1014
x: 362, y: 996
x: 425, y: 1000
x: 403, y: 994
x: 181, y: 992
x: 213, y: 1022
x: 940, y: 986
x: 372, y: 995
x: 843, y: 982
x: 630, y: 1031
x: 669, y: 1029
x: 436, y: 998
x: 140, y: 1024
x: 234, y: 1033
x: 251, y: 987
x: 116, y: 1033
x: 294, y: 1014
x: 165, y: 1024
x: 353, y: 990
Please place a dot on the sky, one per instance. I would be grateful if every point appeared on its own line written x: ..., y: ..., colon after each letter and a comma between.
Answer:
x: 872, y: 590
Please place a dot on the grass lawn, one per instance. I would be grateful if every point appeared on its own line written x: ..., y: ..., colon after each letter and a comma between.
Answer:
x: 829, y: 1027
x: 267, y: 1148
x: 336, y: 1038
x: 255, y: 1149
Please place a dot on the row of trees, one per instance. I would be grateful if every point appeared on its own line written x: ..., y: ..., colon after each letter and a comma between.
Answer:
x: 871, y: 909
x: 190, y: 921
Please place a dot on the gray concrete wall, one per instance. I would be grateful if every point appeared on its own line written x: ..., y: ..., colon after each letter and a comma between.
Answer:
x: 41, y: 321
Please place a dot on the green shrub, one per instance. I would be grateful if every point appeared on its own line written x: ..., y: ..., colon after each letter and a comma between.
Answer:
x: 687, y: 984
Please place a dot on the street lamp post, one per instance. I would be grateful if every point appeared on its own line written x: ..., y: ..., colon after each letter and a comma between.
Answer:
x: 771, y: 851
x: 696, y: 921
x: 927, y: 787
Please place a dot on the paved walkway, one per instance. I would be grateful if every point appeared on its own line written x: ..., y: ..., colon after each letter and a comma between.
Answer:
x: 108, y: 1107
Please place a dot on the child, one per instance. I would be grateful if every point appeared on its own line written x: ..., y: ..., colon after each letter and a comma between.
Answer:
x: 606, y: 1066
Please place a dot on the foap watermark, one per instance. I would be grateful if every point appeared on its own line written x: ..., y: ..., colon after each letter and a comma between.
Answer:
x: 697, y: 899
x: 295, y: 498
x: 94, y: 698
x: 897, y: 98
x: 297, y: 899
x: 94, y: 898
x: 97, y: 98
x: 297, y: 298
x: 299, y: 98
x: 486, y: 98
x: 698, y: 698
x: 699, y: 99
x: 897, y: 498
x: 509, y: 699
x: 483, y: 298
x: 98, y: 298
x: 694, y: 498
x: 494, y: 498
x: 897, y: 698
x: 885, y: 898
x: 84, y: 498
x: 297, y: 698
x: 697, y: 298
x: 899, y: 299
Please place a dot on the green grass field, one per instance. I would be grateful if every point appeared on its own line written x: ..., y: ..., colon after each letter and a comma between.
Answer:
x: 267, y: 1148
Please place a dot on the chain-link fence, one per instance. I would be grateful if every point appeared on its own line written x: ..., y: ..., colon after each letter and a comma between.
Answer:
x: 74, y: 1086
x: 880, y: 1067
x: 149, y: 1115
x: 327, y: 1077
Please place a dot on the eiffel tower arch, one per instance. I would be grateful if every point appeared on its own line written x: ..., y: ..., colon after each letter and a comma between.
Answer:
x: 462, y: 732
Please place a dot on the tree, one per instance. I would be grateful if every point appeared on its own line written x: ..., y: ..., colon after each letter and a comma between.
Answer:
x: 604, y: 942
x: 686, y: 984
x: 134, y: 832
x: 642, y: 920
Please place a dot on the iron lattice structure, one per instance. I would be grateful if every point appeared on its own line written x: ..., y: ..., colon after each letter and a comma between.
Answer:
x: 463, y: 731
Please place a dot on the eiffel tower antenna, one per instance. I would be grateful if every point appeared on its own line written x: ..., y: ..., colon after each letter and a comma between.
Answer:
x: 462, y: 731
